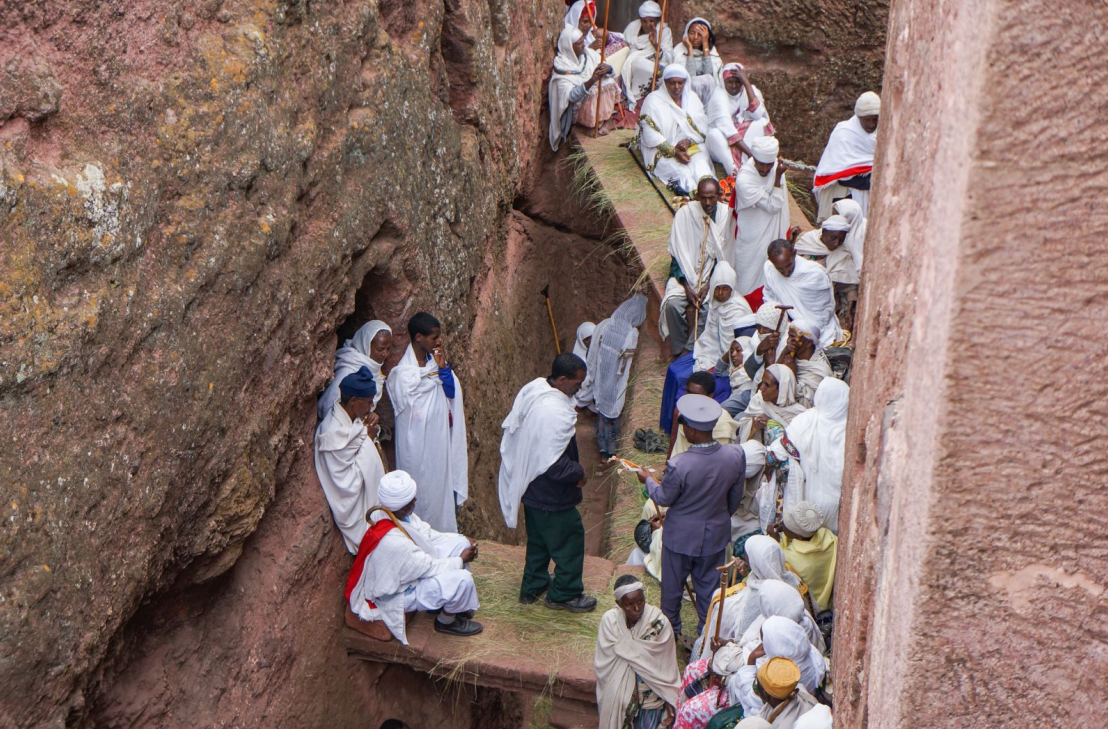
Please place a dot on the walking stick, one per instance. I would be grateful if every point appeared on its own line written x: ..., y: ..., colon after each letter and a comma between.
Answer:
x: 699, y: 276
x: 550, y: 313
x: 724, y: 584
x: 603, y: 52
x: 658, y: 50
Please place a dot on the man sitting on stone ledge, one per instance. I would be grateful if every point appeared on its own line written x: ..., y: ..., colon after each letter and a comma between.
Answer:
x: 403, y: 565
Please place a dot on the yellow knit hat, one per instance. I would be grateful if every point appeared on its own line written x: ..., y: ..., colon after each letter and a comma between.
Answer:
x: 778, y: 677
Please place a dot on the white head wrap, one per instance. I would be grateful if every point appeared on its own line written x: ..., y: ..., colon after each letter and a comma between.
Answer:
x: 625, y: 590
x: 728, y: 660
x: 755, y: 457
x: 786, y: 384
x: 754, y: 722
x: 803, y: 518
x: 583, y: 332
x: 568, y: 62
x: 650, y: 9
x: 818, y: 717
x: 675, y: 70
x: 810, y: 245
x: 780, y: 598
x: 835, y: 223
x: 784, y: 638
x: 697, y: 20
x: 767, y: 315
x: 396, y: 490
x: 728, y: 68
x: 868, y: 104
x: 765, y: 149
x: 849, y: 210
x: 808, y: 330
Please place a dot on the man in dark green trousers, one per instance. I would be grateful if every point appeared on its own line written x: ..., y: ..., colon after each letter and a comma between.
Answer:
x: 554, y: 527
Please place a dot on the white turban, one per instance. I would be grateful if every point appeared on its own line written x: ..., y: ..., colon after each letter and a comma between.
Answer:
x: 808, y: 329
x: 624, y: 590
x: 835, y: 222
x: 810, y: 245
x: 868, y: 104
x: 755, y: 457
x: 675, y: 70
x: 804, y: 518
x: 765, y: 149
x: 768, y: 315
x: 754, y: 722
x: 396, y: 490
x: 650, y: 9
x: 818, y: 717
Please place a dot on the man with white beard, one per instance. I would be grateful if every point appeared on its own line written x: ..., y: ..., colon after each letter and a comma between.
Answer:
x: 347, y: 461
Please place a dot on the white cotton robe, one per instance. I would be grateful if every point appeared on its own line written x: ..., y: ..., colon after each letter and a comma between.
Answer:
x: 427, y: 562
x: 536, y: 433
x: 819, y: 435
x: 647, y: 649
x: 638, y: 68
x: 567, y: 86
x: 430, y: 439
x: 760, y: 212
x: 351, y: 357
x: 723, y: 319
x: 856, y: 236
x: 728, y: 114
x: 849, y: 152
x: 693, y: 232
x: 809, y: 291
x: 349, y: 468
x: 662, y: 125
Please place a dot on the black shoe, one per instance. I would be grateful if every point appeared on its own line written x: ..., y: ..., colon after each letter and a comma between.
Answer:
x: 532, y: 599
x: 468, y: 614
x: 579, y: 604
x: 461, y: 626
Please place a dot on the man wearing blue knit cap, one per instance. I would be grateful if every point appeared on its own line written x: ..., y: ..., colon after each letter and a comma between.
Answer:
x: 347, y: 461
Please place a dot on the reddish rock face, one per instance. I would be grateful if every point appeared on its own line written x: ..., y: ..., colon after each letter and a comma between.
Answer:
x: 810, y: 58
x: 972, y: 591
x: 191, y: 195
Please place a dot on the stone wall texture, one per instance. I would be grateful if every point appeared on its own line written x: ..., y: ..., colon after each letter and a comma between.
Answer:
x: 810, y: 58
x: 193, y: 197
x: 972, y: 591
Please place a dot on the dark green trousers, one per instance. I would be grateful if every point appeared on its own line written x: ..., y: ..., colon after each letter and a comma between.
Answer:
x: 558, y: 536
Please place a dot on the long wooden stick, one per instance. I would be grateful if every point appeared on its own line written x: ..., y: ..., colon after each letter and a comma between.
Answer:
x: 724, y: 581
x: 553, y: 326
x: 658, y: 50
x: 699, y: 276
x: 603, y: 52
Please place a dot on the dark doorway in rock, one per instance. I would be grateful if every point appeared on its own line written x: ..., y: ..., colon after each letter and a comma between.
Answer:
x: 393, y: 724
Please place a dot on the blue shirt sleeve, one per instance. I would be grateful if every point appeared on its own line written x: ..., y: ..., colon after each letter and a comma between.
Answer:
x: 447, y: 379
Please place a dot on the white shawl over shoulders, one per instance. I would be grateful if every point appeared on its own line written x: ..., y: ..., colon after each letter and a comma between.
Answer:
x: 647, y: 649
x: 349, y: 469
x: 536, y: 433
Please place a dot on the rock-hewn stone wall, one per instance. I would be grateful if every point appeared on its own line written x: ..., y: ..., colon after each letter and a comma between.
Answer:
x: 190, y: 195
x: 810, y: 58
x: 972, y: 584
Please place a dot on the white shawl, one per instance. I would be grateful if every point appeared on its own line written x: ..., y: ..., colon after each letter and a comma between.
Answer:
x: 609, y: 364
x: 573, y: 20
x: 726, y: 112
x: 647, y: 650
x: 849, y: 152
x: 430, y: 438
x: 784, y: 409
x: 396, y: 564
x: 536, y: 432
x: 760, y: 212
x: 693, y: 230
x: 351, y: 357
x: 349, y: 469
x: 584, y: 331
x: 809, y: 291
x: 641, y: 49
x: 570, y: 71
x: 723, y: 319
x: 662, y: 121
x: 809, y: 373
x: 856, y: 236
x: 819, y: 436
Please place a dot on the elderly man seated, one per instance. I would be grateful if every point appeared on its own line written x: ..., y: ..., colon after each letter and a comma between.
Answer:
x: 403, y: 565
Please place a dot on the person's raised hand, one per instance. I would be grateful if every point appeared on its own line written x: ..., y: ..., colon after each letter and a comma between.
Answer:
x: 756, y: 654
x: 372, y: 421
x: 760, y: 421
x: 439, y: 353
x: 793, y: 234
x: 581, y: 483
x: 718, y: 643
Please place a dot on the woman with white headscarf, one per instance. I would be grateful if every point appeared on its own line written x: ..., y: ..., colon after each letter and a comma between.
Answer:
x: 816, y: 444
x: 804, y: 354
x: 727, y: 312
x: 856, y: 236
x: 772, y: 408
x: 672, y: 129
x: 578, y: 74
x: 581, y: 16
x: 781, y: 638
x: 643, y: 41
x: 581, y: 346
x: 609, y: 367
x: 697, y: 53
x: 369, y: 347
x: 736, y: 117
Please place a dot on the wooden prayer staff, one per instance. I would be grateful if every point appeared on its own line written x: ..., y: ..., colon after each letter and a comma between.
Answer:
x: 658, y: 50
x: 391, y: 516
x: 603, y: 51
x: 550, y: 313
x: 699, y: 276
x: 724, y: 583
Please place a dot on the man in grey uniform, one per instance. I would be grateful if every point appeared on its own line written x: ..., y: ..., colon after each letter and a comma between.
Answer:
x: 702, y: 488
